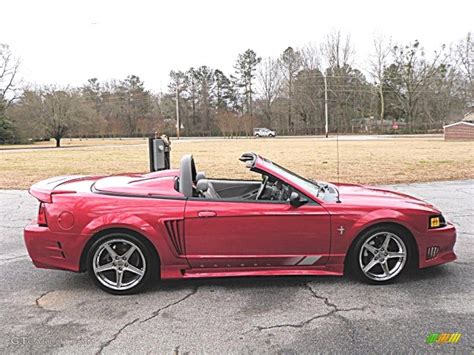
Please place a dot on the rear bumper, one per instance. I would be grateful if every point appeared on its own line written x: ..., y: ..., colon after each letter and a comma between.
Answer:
x: 51, y: 250
x: 436, y: 246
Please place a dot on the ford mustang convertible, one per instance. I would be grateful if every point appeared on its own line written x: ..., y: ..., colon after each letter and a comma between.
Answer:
x: 126, y: 229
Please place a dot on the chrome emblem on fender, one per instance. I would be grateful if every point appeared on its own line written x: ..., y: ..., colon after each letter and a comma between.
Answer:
x: 341, y: 230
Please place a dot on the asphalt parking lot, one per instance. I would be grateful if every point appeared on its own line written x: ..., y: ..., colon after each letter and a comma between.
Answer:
x: 63, y: 312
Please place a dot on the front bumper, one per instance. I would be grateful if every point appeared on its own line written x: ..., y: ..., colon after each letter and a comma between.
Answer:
x: 52, y: 250
x: 436, y: 246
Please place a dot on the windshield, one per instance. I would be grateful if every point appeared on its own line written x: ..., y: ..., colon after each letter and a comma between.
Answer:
x: 313, y: 187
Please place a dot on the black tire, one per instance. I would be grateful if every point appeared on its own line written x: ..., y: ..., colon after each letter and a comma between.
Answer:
x: 399, y: 242
x: 257, y: 135
x: 142, y: 259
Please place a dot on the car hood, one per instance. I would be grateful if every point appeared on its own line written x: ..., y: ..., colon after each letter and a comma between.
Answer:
x: 370, y: 195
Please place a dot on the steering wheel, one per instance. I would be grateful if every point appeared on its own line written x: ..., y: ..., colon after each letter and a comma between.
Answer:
x: 262, y: 188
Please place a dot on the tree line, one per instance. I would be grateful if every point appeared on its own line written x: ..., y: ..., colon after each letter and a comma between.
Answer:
x: 396, y: 86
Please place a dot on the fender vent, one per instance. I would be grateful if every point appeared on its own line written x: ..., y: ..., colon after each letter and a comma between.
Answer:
x: 175, y: 232
x: 432, y: 252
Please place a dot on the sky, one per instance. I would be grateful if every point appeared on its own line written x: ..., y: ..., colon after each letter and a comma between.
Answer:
x: 67, y: 42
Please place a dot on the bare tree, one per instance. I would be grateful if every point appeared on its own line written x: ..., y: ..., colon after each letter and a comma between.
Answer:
x: 176, y: 87
x: 55, y: 112
x: 337, y: 50
x: 344, y: 82
x: 465, y: 56
x: 290, y: 62
x: 378, y: 61
x: 191, y: 91
x: 269, y: 84
x: 227, y: 122
x: 411, y: 74
x: 309, y: 88
x: 310, y: 57
x: 8, y: 75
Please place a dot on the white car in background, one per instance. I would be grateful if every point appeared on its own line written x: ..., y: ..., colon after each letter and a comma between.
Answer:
x: 263, y: 132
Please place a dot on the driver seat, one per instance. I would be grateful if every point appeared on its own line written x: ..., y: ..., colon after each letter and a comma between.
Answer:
x: 205, y: 187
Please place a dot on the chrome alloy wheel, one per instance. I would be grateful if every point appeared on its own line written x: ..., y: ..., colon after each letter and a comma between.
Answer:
x: 382, y: 256
x: 119, y: 264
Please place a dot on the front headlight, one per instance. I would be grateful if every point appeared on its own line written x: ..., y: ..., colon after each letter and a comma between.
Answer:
x: 437, y: 221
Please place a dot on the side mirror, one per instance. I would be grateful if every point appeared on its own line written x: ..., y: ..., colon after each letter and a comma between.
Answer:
x: 296, y: 200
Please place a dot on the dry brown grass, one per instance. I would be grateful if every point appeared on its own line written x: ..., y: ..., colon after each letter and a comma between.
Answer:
x: 372, y: 162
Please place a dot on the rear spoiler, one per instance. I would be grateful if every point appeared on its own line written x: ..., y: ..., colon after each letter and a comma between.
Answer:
x: 44, y: 190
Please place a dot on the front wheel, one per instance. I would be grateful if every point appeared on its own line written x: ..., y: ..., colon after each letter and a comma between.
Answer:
x: 381, y: 255
x: 120, y: 263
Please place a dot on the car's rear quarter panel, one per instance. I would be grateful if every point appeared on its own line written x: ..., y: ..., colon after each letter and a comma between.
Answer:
x: 95, y: 213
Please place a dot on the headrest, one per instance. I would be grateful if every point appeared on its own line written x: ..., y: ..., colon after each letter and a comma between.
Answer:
x: 200, y: 175
x: 202, y: 185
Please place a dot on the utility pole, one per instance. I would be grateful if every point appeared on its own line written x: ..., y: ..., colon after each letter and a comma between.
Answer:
x: 178, y: 123
x: 326, y: 127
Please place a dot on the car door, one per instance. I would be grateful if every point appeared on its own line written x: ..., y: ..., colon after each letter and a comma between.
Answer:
x: 250, y: 234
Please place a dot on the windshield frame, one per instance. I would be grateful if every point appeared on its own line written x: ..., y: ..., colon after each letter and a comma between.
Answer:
x: 306, y: 186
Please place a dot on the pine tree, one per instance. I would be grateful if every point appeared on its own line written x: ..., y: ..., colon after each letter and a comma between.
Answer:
x: 245, y: 68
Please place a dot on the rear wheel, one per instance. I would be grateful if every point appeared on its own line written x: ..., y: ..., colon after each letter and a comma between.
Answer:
x: 381, y: 255
x: 120, y: 263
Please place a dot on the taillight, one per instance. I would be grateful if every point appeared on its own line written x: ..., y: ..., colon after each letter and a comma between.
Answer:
x: 42, y: 215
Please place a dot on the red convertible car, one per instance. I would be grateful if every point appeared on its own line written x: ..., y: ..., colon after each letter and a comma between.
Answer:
x: 125, y: 230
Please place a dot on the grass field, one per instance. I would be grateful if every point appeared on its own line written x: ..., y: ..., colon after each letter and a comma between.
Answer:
x: 395, y: 160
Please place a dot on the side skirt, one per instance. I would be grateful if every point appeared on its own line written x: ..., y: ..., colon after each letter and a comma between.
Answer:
x: 334, y: 266
x: 269, y: 272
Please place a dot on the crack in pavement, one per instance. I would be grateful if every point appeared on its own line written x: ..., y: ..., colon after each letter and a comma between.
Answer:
x: 40, y: 297
x: 295, y: 325
x: 52, y: 313
x: 14, y: 257
x: 157, y: 312
x: 334, y: 311
x: 315, y: 295
x: 153, y: 315
x: 115, y: 336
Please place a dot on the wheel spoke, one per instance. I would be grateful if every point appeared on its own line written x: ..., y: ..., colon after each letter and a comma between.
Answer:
x: 386, y: 242
x: 134, y: 269
x: 111, y: 252
x: 104, y: 267
x: 370, y: 248
x: 395, y: 254
x: 370, y: 265
x: 119, y: 275
x: 385, y: 268
x: 129, y: 252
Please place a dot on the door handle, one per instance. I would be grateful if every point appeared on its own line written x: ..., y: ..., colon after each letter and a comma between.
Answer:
x: 207, y: 214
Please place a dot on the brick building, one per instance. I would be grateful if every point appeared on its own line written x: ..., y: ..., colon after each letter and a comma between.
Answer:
x: 462, y: 130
